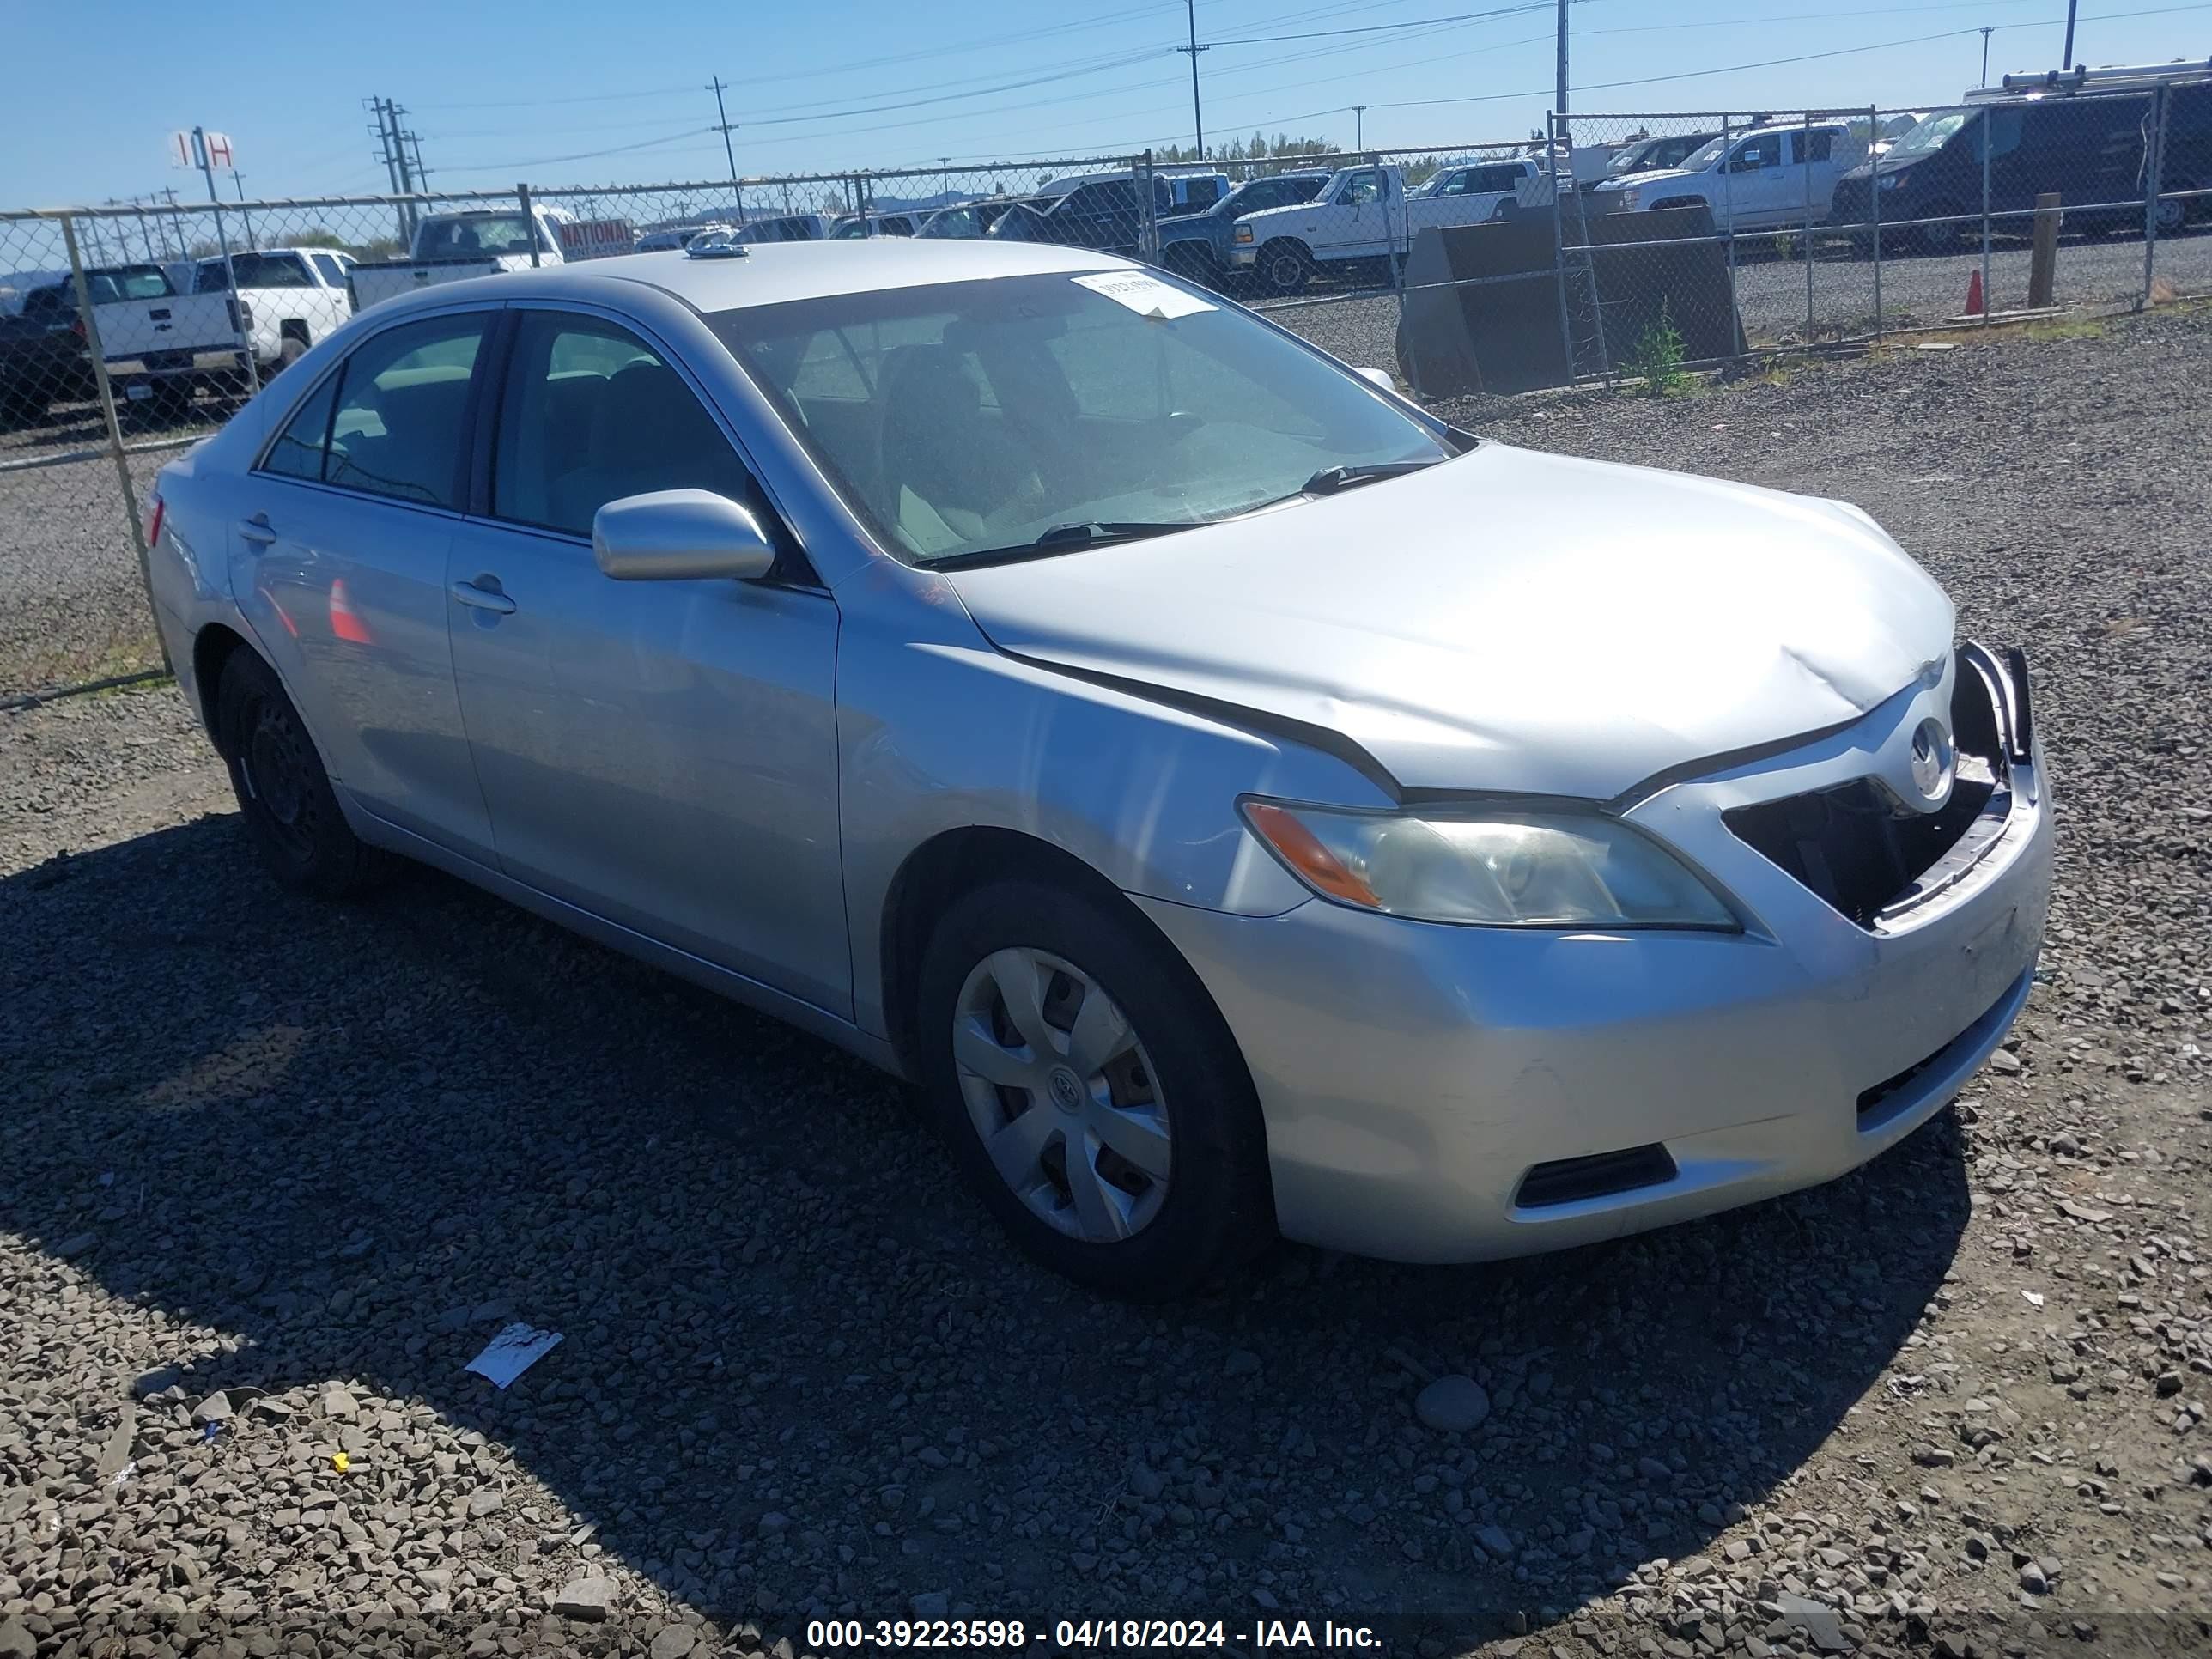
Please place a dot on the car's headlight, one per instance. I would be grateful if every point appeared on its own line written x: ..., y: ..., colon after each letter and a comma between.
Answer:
x: 1889, y: 180
x: 1242, y: 232
x: 1501, y: 869
x: 1630, y: 198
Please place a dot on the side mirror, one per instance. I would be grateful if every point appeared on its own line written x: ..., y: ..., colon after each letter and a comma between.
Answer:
x: 1379, y: 377
x: 679, y: 535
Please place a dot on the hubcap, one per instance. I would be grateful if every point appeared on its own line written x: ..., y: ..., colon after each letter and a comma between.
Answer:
x: 1062, y: 1094
x: 275, y: 760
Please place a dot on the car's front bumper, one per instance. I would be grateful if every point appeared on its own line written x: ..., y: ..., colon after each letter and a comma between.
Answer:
x: 1413, y: 1076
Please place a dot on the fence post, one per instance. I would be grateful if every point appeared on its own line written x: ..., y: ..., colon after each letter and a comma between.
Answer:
x: 1989, y: 301
x: 1728, y: 237
x: 529, y: 221
x: 1148, y: 210
x: 1805, y: 242
x: 1400, y: 257
x: 241, y: 319
x: 92, y: 345
x: 1559, y: 237
x: 1873, y: 209
x: 2154, y: 178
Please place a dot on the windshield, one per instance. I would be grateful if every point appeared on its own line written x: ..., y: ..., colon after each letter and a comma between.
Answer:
x: 977, y: 417
x: 255, y: 271
x: 444, y: 239
x: 128, y: 283
x: 1931, y: 134
x: 1632, y: 159
x: 1699, y: 161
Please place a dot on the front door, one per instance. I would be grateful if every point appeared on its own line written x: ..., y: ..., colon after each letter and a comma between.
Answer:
x: 339, y: 564
x: 1757, y: 186
x: 662, y: 753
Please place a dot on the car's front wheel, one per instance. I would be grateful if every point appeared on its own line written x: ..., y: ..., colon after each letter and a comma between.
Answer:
x: 291, y: 814
x: 1090, y: 1092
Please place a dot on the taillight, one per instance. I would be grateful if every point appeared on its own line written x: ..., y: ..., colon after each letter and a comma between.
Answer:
x: 77, y: 327
x: 154, y: 524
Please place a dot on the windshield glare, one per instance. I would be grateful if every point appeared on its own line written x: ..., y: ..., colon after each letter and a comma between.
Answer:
x: 502, y: 234
x: 1931, y: 134
x: 1704, y: 157
x: 974, y: 417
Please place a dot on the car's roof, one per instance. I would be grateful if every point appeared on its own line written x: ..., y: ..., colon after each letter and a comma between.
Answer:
x: 771, y: 273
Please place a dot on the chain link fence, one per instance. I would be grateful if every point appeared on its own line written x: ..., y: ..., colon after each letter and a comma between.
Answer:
x: 1611, y: 248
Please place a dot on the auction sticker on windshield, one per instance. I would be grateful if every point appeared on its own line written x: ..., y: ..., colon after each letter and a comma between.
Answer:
x: 1147, y: 296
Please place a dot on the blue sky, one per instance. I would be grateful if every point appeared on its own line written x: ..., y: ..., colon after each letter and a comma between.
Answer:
x: 563, y: 92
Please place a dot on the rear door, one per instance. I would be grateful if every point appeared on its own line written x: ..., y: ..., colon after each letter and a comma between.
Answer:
x: 339, y: 564
x: 662, y: 753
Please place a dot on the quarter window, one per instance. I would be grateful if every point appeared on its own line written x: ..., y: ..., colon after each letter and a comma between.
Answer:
x: 592, y: 413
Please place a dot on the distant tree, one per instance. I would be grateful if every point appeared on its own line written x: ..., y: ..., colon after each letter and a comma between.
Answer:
x: 319, y: 238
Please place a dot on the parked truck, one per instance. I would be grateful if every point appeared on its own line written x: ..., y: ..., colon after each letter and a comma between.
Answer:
x: 43, y: 358
x: 1769, y: 177
x: 1363, y: 222
x: 291, y: 297
x: 447, y: 247
x: 161, y: 347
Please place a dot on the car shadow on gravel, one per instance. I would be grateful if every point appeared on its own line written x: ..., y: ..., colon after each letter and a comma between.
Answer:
x: 346, y: 1143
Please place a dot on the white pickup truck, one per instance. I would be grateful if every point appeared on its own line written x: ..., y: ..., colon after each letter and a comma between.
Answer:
x: 449, y: 247
x: 1768, y: 178
x: 293, y: 297
x: 162, y: 346
x: 1363, y: 221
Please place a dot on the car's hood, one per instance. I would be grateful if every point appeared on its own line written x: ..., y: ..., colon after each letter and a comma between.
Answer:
x: 1655, y: 175
x: 1507, y: 621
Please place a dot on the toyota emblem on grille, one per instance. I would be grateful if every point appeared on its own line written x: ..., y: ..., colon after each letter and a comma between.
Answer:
x: 1933, y: 758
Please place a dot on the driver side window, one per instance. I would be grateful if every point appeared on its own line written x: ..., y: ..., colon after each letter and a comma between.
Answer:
x: 1361, y: 187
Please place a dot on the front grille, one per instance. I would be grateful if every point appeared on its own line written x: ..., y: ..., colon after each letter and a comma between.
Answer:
x: 1600, y: 1174
x: 1855, y: 846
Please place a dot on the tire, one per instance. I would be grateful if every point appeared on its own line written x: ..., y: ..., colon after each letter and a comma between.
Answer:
x: 1945, y: 235
x: 292, y: 815
x: 2173, y: 211
x: 1284, y: 267
x: 1176, y: 1090
x: 1192, y: 262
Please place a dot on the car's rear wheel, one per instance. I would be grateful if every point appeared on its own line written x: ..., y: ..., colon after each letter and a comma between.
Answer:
x: 1090, y: 1092
x: 292, y: 815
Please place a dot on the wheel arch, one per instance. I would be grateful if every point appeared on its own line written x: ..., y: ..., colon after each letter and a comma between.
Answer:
x: 213, y: 647
x: 943, y: 870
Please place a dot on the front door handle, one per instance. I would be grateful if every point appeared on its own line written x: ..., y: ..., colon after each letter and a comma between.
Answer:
x: 484, y: 598
x: 256, y: 529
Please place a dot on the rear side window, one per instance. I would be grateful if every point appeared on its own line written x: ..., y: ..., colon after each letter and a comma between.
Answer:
x: 333, y: 272
x: 389, y: 422
x: 1817, y: 144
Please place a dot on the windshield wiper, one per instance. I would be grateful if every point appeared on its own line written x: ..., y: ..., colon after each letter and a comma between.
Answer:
x: 1090, y: 533
x: 1331, y: 479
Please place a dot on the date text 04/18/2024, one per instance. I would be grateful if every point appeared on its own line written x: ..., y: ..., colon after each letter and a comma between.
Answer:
x: 1081, y: 1635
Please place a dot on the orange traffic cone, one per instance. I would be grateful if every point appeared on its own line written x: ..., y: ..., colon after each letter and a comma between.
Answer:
x: 1974, y: 296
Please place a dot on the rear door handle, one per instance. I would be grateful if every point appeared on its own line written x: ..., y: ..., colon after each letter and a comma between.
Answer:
x: 256, y: 529
x: 483, y: 598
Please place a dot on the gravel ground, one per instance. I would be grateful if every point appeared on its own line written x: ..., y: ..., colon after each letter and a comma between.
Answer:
x: 276, y: 1171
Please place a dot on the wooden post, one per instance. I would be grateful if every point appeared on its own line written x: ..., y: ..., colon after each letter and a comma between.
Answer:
x: 2043, y: 262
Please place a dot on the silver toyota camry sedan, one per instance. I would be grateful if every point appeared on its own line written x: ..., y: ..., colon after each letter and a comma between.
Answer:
x: 1242, y: 802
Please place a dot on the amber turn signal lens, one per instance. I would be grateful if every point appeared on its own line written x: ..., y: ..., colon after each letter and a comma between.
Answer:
x: 1299, y: 849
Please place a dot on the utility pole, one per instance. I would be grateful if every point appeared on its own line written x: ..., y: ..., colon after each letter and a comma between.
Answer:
x: 1197, y: 119
x: 238, y: 184
x: 1359, y: 126
x: 421, y: 173
x: 2071, y: 6
x: 1986, y: 56
x: 724, y: 125
x: 388, y: 152
x: 1560, y: 87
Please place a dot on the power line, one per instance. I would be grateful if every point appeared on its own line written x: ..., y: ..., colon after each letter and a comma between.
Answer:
x: 1382, y: 28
